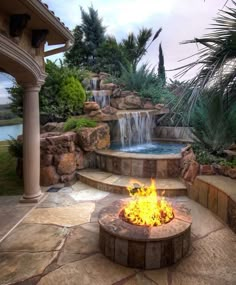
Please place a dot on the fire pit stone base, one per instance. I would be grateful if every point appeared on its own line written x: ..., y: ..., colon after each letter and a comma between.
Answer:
x: 140, y: 246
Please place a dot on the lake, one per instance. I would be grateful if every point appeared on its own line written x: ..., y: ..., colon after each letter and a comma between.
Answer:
x: 7, y: 131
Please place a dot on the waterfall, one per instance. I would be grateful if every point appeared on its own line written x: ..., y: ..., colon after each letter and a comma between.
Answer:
x: 135, y: 127
x: 94, y: 83
x: 101, y: 98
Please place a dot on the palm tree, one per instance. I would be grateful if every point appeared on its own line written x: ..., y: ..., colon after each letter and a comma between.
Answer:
x: 216, y: 59
x: 135, y: 47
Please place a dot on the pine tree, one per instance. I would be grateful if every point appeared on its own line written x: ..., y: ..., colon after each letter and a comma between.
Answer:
x: 161, y: 67
x: 88, y: 38
x: 76, y: 56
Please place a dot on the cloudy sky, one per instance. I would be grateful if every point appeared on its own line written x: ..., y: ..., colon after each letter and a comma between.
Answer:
x: 180, y: 19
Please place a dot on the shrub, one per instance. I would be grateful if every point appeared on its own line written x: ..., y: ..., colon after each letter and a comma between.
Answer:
x: 72, y: 94
x: 15, y: 148
x: 51, y: 105
x: 146, y: 83
x: 76, y: 124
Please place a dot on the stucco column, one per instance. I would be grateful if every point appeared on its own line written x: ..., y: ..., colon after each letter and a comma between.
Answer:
x: 31, y: 144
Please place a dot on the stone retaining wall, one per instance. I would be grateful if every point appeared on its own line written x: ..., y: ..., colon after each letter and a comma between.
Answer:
x: 173, y: 133
x: 218, y: 194
x: 62, y: 154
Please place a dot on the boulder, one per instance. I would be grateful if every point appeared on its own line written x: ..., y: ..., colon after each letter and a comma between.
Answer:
x: 206, y: 169
x: 58, y: 143
x: 103, y: 75
x: 116, y: 93
x: 52, y: 127
x: 232, y: 173
x: 79, y: 159
x: 48, y: 176
x: 91, y: 139
x: 118, y: 103
x: 133, y: 102
x: 46, y: 159
x: 65, y: 163
x: 159, y: 106
x: 107, y: 86
x: 125, y: 103
x: 109, y: 110
x: 90, y: 106
x: 148, y: 105
x: 95, y: 113
x: 192, y: 171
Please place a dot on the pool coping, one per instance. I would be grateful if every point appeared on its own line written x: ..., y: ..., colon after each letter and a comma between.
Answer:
x: 114, y: 153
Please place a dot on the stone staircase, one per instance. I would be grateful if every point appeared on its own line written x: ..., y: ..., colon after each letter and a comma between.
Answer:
x: 115, y: 183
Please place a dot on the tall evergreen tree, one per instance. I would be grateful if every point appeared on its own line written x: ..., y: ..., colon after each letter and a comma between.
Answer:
x: 77, y: 56
x: 161, y: 67
x: 88, y: 38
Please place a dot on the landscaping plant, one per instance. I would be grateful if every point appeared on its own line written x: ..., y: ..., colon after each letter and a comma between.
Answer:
x: 76, y: 124
x: 213, y: 123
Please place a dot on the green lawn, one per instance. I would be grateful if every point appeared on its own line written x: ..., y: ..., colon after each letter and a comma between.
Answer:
x: 10, y: 122
x: 10, y: 183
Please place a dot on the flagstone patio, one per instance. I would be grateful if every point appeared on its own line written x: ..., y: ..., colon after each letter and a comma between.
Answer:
x: 57, y: 243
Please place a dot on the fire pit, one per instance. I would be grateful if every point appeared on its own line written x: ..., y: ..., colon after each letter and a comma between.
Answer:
x: 144, y: 231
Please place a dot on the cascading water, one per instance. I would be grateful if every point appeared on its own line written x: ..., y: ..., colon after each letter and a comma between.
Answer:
x: 135, y: 127
x: 94, y: 83
x: 101, y: 98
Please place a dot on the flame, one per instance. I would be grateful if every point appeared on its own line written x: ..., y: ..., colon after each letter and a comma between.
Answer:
x: 146, y: 207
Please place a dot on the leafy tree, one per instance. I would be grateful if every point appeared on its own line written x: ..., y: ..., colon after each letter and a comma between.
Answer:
x: 16, y: 94
x: 110, y: 57
x: 55, y: 104
x: 161, y: 67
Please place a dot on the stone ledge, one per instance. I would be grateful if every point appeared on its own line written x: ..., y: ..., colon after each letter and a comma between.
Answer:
x: 218, y: 194
x: 113, y: 183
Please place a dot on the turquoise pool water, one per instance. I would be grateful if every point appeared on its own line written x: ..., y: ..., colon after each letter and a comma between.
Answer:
x: 10, y: 131
x: 150, y: 148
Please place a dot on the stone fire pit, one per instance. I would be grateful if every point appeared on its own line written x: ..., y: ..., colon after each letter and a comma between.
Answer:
x: 142, y: 246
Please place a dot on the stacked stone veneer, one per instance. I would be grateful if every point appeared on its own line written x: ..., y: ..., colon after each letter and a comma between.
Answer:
x: 218, y: 194
x: 62, y: 154
x: 133, y: 165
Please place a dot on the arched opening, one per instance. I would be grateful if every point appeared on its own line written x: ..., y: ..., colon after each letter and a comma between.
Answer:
x: 27, y: 73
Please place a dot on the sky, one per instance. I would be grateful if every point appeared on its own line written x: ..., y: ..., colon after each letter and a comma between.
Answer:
x: 180, y: 20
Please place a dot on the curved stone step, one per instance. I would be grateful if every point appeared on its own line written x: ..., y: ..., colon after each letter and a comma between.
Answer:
x: 110, y: 182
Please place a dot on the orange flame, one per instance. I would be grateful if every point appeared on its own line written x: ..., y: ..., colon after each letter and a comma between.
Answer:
x: 146, y: 207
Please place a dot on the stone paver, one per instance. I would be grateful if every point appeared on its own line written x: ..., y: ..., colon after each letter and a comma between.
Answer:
x: 34, y: 237
x: 95, y: 270
x: 16, y: 266
x: 57, y: 243
x: 63, y: 216
x: 203, y: 221
x: 213, y: 256
x: 11, y: 212
x: 159, y: 276
x: 139, y: 279
x: 80, y: 244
